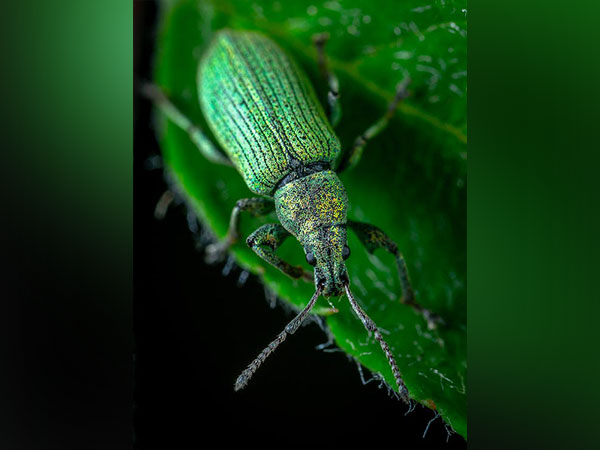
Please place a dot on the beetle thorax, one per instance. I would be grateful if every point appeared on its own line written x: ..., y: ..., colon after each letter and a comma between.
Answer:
x: 312, y: 202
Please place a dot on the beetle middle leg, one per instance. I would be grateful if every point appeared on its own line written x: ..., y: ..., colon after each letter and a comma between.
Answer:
x: 352, y: 157
x: 373, y: 238
x: 264, y: 243
x: 257, y: 206
x: 333, y: 96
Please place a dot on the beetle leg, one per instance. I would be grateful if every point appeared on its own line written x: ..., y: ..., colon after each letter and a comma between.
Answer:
x: 257, y: 206
x: 333, y: 96
x: 373, y: 238
x: 265, y: 241
x: 351, y: 158
x: 204, y: 144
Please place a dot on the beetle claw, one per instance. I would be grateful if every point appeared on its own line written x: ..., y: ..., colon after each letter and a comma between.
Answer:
x: 433, y: 320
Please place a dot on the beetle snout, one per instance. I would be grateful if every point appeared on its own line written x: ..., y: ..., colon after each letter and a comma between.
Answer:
x: 333, y: 283
x: 333, y: 290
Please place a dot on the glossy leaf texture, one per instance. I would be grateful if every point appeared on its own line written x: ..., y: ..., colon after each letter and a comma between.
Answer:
x: 411, y: 181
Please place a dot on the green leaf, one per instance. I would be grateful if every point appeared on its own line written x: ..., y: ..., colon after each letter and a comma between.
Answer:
x: 411, y: 181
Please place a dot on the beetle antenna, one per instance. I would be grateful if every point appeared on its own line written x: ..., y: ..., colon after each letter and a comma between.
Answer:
x: 289, y: 329
x: 370, y: 326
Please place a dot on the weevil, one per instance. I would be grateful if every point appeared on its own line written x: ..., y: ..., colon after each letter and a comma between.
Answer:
x: 273, y: 130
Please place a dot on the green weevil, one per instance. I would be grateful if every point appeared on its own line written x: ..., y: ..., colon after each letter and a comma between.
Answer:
x: 271, y: 127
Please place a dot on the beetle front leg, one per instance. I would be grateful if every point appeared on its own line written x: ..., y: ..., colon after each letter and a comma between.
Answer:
x: 265, y: 241
x: 257, y: 206
x: 333, y: 96
x: 373, y: 238
x: 352, y: 157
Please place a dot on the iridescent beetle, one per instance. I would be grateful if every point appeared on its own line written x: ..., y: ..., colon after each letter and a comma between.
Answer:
x: 273, y: 130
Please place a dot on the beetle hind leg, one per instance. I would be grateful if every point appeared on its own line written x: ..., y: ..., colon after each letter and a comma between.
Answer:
x: 333, y: 96
x: 209, y: 150
x: 352, y: 157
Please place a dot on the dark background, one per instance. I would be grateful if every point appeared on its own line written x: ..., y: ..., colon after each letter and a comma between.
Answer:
x: 196, y: 330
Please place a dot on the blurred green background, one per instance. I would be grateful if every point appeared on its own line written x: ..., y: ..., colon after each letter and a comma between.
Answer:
x: 533, y: 220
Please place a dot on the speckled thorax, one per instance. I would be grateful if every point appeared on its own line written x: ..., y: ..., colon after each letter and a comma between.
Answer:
x: 312, y: 203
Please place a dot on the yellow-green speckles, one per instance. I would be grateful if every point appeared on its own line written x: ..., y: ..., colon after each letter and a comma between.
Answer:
x: 315, y: 201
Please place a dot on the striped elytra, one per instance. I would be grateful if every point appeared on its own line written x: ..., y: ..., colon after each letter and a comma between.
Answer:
x: 262, y: 109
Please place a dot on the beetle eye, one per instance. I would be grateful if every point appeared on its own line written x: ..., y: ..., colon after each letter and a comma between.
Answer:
x: 346, y: 252
x: 310, y: 258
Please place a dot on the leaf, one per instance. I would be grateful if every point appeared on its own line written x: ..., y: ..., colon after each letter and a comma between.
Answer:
x: 411, y: 181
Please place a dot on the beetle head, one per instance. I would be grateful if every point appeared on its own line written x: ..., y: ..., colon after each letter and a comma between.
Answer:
x: 313, y: 208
